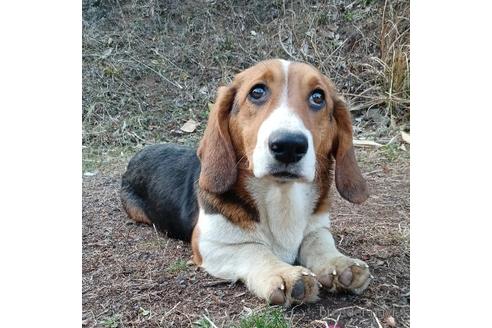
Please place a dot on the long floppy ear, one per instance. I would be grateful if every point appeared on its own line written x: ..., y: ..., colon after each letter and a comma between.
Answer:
x: 349, y: 181
x: 218, y: 159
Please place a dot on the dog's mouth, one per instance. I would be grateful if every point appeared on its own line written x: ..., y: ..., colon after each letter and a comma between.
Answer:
x: 285, y: 175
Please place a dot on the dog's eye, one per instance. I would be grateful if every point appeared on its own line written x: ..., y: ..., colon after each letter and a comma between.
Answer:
x: 317, y: 99
x: 258, y: 93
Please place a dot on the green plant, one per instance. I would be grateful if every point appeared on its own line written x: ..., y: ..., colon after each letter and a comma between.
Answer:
x: 204, y: 322
x: 272, y: 317
x: 177, y: 266
x: 348, y: 16
x: 111, y: 322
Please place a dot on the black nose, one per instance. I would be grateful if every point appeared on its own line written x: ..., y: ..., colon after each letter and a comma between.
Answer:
x: 288, y: 147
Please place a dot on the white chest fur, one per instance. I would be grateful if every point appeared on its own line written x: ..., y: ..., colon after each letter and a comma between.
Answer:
x: 285, y: 211
x: 285, y: 219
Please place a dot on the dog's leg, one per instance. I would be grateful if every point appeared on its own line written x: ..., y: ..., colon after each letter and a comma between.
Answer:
x: 334, y: 270
x: 263, y: 273
x: 133, y: 206
x: 231, y: 252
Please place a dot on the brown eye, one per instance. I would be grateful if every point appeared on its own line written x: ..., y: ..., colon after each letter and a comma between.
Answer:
x: 258, y: 93
x: 317, y: 100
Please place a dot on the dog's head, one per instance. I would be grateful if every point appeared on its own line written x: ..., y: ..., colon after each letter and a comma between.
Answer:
x: 279, y: 120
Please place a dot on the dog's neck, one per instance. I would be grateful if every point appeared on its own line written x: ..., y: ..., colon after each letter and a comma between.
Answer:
x: 253, y: 200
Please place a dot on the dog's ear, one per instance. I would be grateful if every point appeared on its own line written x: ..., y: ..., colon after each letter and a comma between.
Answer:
x: 218, y: 159
x: 348, y: 178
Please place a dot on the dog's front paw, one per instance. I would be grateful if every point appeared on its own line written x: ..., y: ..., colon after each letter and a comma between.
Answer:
x: 294, y: 284
x: 343, y: 273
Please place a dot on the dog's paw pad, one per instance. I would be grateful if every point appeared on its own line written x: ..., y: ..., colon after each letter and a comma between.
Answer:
x: 346, y: 277
x: 297, y: 285
x: 277, y: 297
x: 298, y: 290
x: 344, y: 273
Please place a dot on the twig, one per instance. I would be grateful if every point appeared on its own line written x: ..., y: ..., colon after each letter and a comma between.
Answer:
x: 375, y: 171
x: 365, y: 105
x: 210, y: 321
x: 281, y: 43
x: 376, y: 318
x: 168, y: 312
x: 156, y: 72
x: 363, y: 309
x: 381, y: 38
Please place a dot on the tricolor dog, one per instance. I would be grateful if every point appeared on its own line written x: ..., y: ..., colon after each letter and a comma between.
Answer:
x: 254, y: 198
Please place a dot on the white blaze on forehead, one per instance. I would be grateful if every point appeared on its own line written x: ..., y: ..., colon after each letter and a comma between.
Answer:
x: 285, y: 67
x: 282, y: 118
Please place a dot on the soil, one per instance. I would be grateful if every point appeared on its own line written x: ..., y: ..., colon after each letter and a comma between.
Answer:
x: 149, y: 66
x: 134, y: 276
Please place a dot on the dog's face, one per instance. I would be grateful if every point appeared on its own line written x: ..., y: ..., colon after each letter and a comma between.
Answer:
x: 279, y: 120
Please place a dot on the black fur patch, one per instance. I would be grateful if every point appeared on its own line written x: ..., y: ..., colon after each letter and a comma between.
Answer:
x: 163, y: 178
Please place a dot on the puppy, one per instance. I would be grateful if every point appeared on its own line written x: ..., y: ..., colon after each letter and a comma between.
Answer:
x: 254, y: 198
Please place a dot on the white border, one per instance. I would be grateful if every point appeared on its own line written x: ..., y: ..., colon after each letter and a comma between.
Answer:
x: 40, y: 133
x: 450, y: 163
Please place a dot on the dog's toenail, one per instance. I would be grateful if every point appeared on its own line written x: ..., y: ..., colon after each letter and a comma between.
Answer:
x: 334, y: 272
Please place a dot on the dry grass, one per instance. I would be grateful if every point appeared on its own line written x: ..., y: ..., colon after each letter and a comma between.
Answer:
x: 395, y: 57
x: 149, y: 66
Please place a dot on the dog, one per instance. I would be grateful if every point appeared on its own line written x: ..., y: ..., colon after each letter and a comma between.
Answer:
x: 254, y: 199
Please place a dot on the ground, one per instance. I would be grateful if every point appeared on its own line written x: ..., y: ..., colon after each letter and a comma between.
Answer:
x: 136, y: 276
x: 149, y: 66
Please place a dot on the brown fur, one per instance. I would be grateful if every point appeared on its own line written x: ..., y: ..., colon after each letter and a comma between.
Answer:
x: 349, y: 181
x: 246, y: 119
x: 217, y: 156
x: 136, y: 213
x: 195, y: 237
x: 304, y: 79
x: 230, y: 138
x: 236, y: 204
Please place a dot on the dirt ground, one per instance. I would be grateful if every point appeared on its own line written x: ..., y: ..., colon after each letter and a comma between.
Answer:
x: 149, y: 66
x: 136, y: 277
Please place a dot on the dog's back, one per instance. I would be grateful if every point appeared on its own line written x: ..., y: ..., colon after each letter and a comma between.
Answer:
x: 159, y: 187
